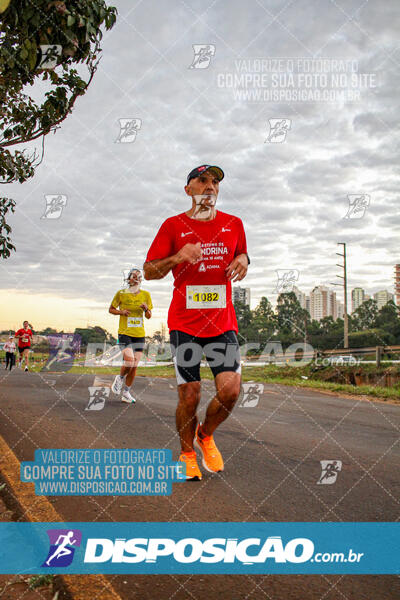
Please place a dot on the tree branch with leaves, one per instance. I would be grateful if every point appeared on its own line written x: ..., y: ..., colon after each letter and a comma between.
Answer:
x: 34, y: 35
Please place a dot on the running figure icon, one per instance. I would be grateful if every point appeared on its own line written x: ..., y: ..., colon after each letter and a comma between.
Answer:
x: 62, y: 549
x: 330, y: 470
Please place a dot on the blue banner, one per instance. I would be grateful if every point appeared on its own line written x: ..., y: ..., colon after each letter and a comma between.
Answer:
x: 103, y: 472
x: 213, y: 548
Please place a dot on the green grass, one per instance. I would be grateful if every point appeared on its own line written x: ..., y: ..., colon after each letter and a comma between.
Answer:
x: 383, y: 393
x: 271, y: 374
x: 289, y: 376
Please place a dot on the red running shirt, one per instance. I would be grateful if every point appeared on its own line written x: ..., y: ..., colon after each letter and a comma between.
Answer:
x: 25, y: 340
x: 221, y: 240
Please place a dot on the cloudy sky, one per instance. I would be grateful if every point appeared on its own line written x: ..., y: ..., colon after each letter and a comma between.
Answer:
x: 292, y: 195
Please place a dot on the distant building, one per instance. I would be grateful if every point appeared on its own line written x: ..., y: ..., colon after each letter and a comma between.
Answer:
x: 308, y: 305
x: 323, y: 303
x: 397, y: 283
x: 383, y: 298
x: 240, y: 294
x: 301, y: 297
x: 357, y: 298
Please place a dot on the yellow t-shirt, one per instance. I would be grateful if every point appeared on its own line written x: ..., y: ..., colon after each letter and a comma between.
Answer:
x: 125, y: 300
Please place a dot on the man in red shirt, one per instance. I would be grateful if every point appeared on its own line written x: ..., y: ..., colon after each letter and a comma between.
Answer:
x: 206, y: 250
x: 24, y: 337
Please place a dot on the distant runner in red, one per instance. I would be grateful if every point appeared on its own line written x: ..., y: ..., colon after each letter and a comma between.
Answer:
x: 24, y: 337
x: 206, y: 250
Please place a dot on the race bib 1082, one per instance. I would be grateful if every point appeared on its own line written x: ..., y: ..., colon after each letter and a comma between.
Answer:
x: 206, y: 296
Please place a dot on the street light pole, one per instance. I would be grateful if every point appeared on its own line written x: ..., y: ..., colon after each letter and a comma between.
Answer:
x: 344, y: 277
x: 346, y: 319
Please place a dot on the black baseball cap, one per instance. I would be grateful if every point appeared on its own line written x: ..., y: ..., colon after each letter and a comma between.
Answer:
x: 217, y: 171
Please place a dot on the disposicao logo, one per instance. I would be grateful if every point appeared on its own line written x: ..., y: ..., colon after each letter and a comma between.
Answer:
x: 62, y: 547
x: 191, y: 550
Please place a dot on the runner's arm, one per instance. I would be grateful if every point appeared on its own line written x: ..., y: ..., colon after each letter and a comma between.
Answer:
x: 161, y: 257
x: 116, y: 311
x: 146, y: 310
x: 237, y: 270
x: 159, y: 268
x: 244, y: 254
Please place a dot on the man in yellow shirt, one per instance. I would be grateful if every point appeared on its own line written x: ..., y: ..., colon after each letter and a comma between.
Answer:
x: 130, y: 304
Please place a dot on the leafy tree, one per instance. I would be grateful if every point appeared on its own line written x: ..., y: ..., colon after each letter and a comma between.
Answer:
x: 6, y: 205
x: 327, y: 325
x: 389, y: 317
x: 291, y: 318
x: 365, y: 315
x: 244, y: 318
x: 371, y: 337
x: 47, y: 331
x: 314, y: 327
x: 264, y: 320
x: 290, y: 323
x: 94, y: 335
x: 327, y: 334
x: 72, y: 27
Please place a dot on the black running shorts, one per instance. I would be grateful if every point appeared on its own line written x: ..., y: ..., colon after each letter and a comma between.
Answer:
x: 136, y: 343
x: 22, y: 348
x: 222, y: 353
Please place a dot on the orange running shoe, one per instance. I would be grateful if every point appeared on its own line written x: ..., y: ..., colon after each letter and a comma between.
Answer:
x: 193, y: 472
x: 212, y: 459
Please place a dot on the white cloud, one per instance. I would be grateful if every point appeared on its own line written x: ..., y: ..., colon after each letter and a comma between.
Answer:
x: 292, y: 197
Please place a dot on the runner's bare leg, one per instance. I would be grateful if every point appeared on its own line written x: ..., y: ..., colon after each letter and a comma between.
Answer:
x: 227, y: 384
x: 131, y: 373
x: 127, y: 360
x: 186, y: 420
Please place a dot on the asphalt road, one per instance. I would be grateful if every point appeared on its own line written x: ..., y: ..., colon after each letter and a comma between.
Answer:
x: 272, y: 454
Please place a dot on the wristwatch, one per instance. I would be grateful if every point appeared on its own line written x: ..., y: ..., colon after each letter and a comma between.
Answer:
x: 248, y: 258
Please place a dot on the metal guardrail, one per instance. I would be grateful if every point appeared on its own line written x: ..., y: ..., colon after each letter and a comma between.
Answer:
x: 365, y: 350
x: 378, y: 351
